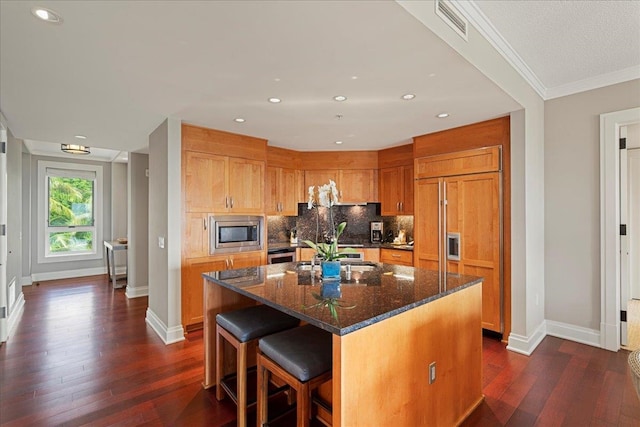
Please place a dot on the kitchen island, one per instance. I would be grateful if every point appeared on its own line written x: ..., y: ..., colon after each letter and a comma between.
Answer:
x: 407, y: 342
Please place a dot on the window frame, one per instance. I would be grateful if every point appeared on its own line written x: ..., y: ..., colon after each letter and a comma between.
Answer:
x: 44, y: 254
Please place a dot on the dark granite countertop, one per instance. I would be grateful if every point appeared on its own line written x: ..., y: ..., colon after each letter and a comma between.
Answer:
x: 370, y: 293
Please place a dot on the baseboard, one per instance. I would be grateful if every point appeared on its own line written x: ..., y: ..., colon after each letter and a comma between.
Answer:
x: 26, y: 281
x: 16, y: 313
x: 573, y: 333
x: 136, y: 291
x: 68, y: 274
x: 168, y: 336
x: 609, y: 336
x: 526, y: 345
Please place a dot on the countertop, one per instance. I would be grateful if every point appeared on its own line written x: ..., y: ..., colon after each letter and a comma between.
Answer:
x: 371, y: 292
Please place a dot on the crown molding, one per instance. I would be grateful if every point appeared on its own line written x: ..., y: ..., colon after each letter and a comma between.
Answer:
x: 484, y: 26
x: 479, y: 20
x: 594, y: 82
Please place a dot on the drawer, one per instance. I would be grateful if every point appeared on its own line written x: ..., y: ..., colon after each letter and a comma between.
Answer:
x: 395, y: 256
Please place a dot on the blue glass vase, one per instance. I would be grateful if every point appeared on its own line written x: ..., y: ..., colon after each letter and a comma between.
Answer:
x: 330, y: 270
x: 330, y: 289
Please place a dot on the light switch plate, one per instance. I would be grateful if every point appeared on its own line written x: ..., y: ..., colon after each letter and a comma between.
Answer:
x: 161, y: 242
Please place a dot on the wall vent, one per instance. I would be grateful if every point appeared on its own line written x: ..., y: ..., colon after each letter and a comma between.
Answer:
x: 453, y: 18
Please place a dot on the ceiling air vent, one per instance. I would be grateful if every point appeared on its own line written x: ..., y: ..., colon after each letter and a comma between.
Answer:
x: 453, y: 18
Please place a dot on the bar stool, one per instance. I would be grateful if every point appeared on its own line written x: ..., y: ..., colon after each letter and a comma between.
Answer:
x: 241, y: 328
x: 302, y: 358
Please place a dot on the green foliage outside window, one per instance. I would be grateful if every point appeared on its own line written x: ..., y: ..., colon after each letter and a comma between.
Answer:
x: 70, y: 205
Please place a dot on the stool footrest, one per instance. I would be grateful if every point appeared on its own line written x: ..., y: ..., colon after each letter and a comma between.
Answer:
x: 230, y: 386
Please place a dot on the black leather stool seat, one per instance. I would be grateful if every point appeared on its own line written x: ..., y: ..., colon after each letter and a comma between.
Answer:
x: 304, y: 352
x: 254, y: 322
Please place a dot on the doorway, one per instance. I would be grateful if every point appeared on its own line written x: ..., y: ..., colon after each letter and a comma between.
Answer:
x: 610, y: 254
x: 630, y: 236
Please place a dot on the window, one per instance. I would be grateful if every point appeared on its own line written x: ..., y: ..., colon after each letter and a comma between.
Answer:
x: 70, y: 204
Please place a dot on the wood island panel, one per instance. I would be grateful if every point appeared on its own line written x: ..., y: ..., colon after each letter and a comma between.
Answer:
x: 381, y: 372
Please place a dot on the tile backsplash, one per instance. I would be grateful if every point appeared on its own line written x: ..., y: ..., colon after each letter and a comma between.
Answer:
x: 357, y: 217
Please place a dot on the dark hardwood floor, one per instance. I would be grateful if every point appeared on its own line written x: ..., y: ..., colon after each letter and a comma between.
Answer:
x: 83, y: 355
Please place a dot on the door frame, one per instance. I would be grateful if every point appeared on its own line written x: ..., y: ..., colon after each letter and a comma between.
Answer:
x: 4, y: 306
x: 610, y: 124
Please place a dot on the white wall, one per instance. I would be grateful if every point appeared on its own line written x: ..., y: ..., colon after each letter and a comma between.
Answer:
x: 138, y: 219
x: 164, y: 313
x: 572, y: 201
x: 118, y: 208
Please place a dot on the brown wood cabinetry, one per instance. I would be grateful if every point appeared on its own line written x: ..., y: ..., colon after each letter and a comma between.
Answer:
x: 396, y: 256
x: 221, y: 173
x: 396, y: 191
x: 354, y: 185
x: 458, y: 227
x: 192, y: 301
x: 396, y: 180
x: 221, y: 184
x: 281, y: 191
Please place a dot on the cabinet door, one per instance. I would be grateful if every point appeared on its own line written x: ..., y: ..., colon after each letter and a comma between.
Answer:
x: 395, y: 256
x: 246, y: 186
x: 196, y: 235
x: 390, y: 193
x: 473, y: 211
x: 192, y: 289
x: 357, y: 186
x: 271, y: 191
x: 243, y: 260
x: 205, y: 182
x: 288, y: 192
x: 318, y: 178
x: 407, y: 190
x: 427, y: 223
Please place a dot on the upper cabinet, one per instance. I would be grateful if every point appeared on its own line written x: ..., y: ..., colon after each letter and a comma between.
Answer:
x: 396, y: 191
x: 354, y: 172
x: 396, y: 180
x: 221, y: 184
x: 222, y: 172
x: 281, y: 195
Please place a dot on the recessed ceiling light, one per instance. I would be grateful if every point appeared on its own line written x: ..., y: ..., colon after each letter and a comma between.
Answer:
x: 432, y: 75
x: 275, y: 100
x: 47, y: 15
x: 81, y: 137
x: 239, y: 120
x: 442, y: 115
x: 408, y: 96
x: 338, y: 142
x: 339, y: 98
x: 354, y: 77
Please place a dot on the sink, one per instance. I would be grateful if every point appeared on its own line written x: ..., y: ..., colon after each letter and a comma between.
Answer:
x: 355, y: 266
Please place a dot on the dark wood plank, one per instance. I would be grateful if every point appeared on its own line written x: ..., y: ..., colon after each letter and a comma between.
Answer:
x: 82, y: 354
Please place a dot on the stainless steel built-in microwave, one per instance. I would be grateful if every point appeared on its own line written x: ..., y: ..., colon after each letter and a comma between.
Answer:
x: 234, y: 233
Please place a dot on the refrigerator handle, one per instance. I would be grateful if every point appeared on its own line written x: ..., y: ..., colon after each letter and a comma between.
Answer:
x: 440, y: 208
x: 443, y: 235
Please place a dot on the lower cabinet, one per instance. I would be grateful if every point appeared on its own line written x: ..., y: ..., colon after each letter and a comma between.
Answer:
x: 396, y: 256
x: 192, y: 291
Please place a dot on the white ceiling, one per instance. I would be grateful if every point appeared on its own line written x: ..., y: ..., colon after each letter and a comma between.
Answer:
x: 115, y: 70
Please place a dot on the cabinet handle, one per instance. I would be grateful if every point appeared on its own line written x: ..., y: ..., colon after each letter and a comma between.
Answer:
x: 226, y: 263
x: 398, y: 206
x: 395, y: 255
x: 401, y: 207
x: 231, y: 202
x: 226, y: 201
x: 231, y: 261
x: 204, y: 222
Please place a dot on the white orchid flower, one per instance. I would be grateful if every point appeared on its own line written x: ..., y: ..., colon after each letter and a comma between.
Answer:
x: 311, y: 198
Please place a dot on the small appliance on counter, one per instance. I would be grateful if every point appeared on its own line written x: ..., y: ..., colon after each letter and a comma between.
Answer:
x: 293, y: 236
x: 377, y: 231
